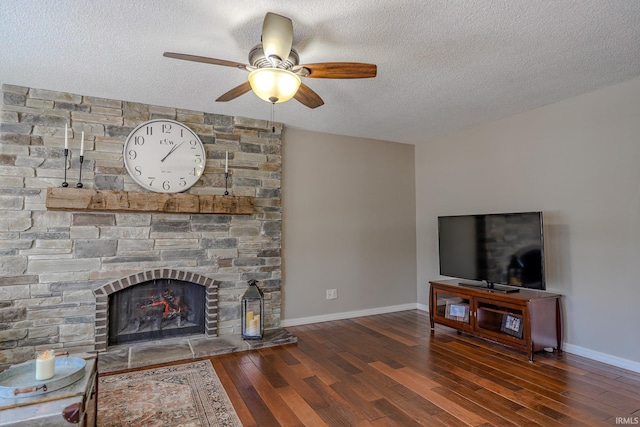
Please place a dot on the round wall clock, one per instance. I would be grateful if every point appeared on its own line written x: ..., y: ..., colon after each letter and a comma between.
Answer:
x: 164, y: 156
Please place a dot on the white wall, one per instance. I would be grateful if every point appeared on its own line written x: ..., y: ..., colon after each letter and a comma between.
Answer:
x: 579, y: 162
x: 348, y: 224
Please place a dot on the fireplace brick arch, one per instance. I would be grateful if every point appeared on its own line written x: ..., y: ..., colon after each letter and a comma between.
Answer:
x: 103, y: 292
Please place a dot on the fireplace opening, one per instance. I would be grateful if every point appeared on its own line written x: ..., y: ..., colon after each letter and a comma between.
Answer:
x: 156, y: 309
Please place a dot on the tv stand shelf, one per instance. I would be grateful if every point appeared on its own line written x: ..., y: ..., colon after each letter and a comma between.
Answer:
x: 527, y: 320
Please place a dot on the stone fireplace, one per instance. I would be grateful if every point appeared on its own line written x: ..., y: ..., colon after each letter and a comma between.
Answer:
x: 58, y: 268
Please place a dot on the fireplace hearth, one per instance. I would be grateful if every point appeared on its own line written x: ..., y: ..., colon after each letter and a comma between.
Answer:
x: 148, y: 290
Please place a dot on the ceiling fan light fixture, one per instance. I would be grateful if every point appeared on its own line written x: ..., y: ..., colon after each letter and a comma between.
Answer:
x: 274, y: 85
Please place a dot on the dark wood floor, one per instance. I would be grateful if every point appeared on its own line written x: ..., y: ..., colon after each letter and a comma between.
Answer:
x: 389, y: 370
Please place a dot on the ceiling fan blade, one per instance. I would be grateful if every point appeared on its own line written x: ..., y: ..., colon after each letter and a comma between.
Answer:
x: 308, y: 97
x: 338, y: 70
x: 277, y: 37
x: 235, y: 92
x: 206, y: 60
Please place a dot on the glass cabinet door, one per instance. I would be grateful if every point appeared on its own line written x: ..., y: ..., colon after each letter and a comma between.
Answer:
x: 455, y: 309
x: 504, y: 320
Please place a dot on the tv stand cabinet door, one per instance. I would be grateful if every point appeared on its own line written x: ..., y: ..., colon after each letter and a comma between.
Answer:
x: 451, y: 308
x: 507, y: 323
x: 546, y: 324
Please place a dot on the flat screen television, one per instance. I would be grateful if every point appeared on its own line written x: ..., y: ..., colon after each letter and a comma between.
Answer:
x: 504, y: 249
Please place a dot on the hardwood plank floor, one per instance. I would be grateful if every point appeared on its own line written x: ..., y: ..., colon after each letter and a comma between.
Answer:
x: 390, y: 370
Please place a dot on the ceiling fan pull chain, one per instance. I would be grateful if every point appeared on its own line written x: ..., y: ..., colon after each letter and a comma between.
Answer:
x: 273, y: 122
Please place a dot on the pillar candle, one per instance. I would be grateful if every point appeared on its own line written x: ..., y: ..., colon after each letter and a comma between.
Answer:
x: 82, y: 144
x: 66, y: 138
x: 253, y: 328
x: 247, y: 320
x: 45, y: 365
x: 226, y: 161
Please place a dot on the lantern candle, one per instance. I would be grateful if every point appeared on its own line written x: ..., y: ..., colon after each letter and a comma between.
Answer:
x: 252, y: 311
x: 248, y: 320
x: 45, y: 365
x: 255, y: 325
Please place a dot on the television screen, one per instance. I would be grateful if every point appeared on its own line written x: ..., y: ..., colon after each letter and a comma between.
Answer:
x: 503, y: 248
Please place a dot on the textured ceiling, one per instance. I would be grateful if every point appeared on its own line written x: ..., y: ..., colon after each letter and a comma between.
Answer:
x: 442, y: 65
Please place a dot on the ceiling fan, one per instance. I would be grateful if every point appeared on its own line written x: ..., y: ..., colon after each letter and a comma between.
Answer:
x: 275, y: 69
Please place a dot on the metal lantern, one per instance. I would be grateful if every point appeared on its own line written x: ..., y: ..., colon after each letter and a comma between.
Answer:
x: 253, y: 312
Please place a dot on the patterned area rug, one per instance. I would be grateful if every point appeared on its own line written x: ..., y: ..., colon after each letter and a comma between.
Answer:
x: 188, y: 394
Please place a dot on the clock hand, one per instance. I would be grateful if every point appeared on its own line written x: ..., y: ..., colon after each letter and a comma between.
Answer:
x: 171, y: 151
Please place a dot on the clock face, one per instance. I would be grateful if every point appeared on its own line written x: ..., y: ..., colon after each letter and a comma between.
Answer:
x: 164, y: 156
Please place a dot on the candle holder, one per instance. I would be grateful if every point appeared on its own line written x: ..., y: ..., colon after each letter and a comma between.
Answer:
x: 79, y: 184
x: 65, y: 184
x: 252, y: 312
x: 226, y: 179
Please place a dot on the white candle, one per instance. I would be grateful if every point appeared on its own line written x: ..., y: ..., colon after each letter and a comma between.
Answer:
x: 226, y: 162
x: 66, y: 138
x: 247, y: 321
x: 82, y: 144
x: 45, y: 365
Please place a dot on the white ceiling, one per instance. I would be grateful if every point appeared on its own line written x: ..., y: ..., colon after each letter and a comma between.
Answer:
x: 442, y: 64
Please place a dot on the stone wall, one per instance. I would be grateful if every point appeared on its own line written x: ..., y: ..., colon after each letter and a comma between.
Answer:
x: 52, y: 261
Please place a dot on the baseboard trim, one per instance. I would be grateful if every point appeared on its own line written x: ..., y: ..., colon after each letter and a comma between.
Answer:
x: 618, y: 362
x: 348, y: 314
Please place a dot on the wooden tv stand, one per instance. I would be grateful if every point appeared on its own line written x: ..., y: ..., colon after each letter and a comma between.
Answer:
x: 527, y: 320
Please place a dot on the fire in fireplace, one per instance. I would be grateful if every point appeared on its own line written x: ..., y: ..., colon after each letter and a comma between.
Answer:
x: 156, y: 309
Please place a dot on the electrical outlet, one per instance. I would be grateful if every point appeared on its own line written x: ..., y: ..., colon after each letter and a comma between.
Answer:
x: 332, y: 293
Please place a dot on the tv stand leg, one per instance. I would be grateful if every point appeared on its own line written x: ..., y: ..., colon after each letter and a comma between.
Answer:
x: 432, y: 308
x: 558, y: 326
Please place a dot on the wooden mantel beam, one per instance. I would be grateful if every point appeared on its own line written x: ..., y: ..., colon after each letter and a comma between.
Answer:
x: 81, y: 199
